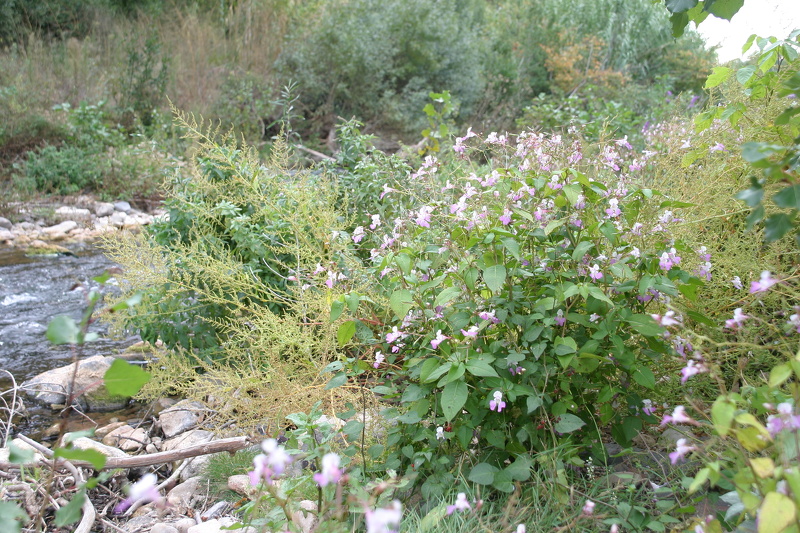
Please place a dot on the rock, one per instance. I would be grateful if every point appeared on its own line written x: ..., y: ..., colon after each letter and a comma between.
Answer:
x: 84, y: 443
x: 190, y: 438
x: 215, y: 511
x: 38, y: 247
x: 162, y: 404
x: 67, y: 212
x: 103, y: 209
x: 105, y: 430
x: 216, y: 525
x: 117, y: 219
x: 184, y: 524
x: 5, y: 223
x: 51, y: 387
x: 180, y: 417
x: 139, y: 524
x: 127, y: 438
x: 183, y: 497
x: 161, y: 527
x: 240, y: 484
x: 21, y: 445
x: 60, y: 230
x: 670, y: 437
x: 122, y: 206
x: 6, y: 235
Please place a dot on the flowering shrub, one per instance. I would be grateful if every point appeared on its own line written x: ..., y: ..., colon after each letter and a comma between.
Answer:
x: 517, y: 298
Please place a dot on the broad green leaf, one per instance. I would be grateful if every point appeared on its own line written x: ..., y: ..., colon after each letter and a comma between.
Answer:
x: 446, y: 296
x: 403, y: 261
x: 18, y: 455
x: 788, y: 197
x: 401, y: 302
x: 533, y: 403
x: 97, y: 459
x: 598, y: 293
x: 494, y: 277
x: 567, y: 423
x: 481, y: 368
x: 336, y: 381
x: 62, y: 330
x: 763, y: 467
x: 454, y: 396
x: 778, y: 375
x: 430, y: 522
x: 503, y: 482
x: 645, y: 325
x: 581, y: 250
x: 554, y: 225
x: 10, y: 517
x: 722, y: 413
x: 482, y: 474
x: 744, y: 74
x: 70, y: 513
x: 777, y: 512
x: 520, y: 469
x: 717, y: 77
x: 776, y: 226
x: 353, y: 299
x: 124, y: 379
x: 512, y: 246
x: 644, y: 377
x: 679, y: 6
x: 699, y: 480
x: 134, y: 300
x: 337, y: 308
x: 565, y: 346
x: 345, y: 332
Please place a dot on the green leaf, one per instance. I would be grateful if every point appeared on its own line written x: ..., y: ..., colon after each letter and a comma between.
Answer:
x: 97, y: 459
x: 567, y: 423
x: 401, y: 302
x: 337, y: 308
x: 494, y: 277
x: 62, y: 330
x: 744, y: 74
x: 454, y: 396
x: 512, y: 246
x: 785, y: 117
x: 446, y: 296
x: 520, y: 469
x: 554, y: 225
x: 718, y: 76
x: 679, y: 6
x: 581, y: 249
x: 644, y: 377
x: 778, y: 375
x: 722, y: 413
x: 481, y: 368
x: 353, y: 299
x: 10, y: 517
x: 336, y: 381
x: 789, y: 197
x: 18, y: 455
x: 134, y: 300
x: 776, y: 226
x: 533, y: 403
x: 345, y: 332
x: 124, y: 379
x: 71, y: 513
x: 777, y: 512
x: 483, y: 474
x: 645, y: 325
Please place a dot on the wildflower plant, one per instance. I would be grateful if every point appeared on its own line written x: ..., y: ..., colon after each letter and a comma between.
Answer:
x: 517, y: 306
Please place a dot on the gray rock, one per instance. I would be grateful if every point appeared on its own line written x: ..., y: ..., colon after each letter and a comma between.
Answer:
x: 6, y: 235
x: 5, y: 223
x: 51, y: 387
x: 66, y: 212
x: 127, y: 438
x: 60, y: 229
x: 190, y: 438
x: 184, y: 496
x: 184, y: 524
x: 180, y: 417
x: 117, y: 219
x: 103, y: 209
x: 125, y: 207
x: 84, y: 443
x: 240, y: 484
x: 162, y: 527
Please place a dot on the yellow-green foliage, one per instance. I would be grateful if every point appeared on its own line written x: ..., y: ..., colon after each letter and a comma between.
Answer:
x: 274, y: 334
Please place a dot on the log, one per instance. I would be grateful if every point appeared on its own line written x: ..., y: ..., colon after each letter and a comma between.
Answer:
x: 230, y: 445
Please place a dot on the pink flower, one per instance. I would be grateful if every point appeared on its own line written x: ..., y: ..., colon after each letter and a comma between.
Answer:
x: 737, y: 283
x: 588, y: 508
x: 613, y: 210
x: 471, y: 333
x: 648, y: 408
x: 785, y: 420
x: 692, y: 368
x: 737, y: 320
x: 680, y: 451
x: 497, y: 403
x: 489, y: 315
x: 379, y: 358
x: 439, y: 339
x: 669, y: 319
x: 594, y: 272
x: 461, y: 504
x: 719, y: 147
x: 394, y: 335
x: 386, y: 520
x: 144, y: 489
x: 358, y: 234
x: 331, y: 473
x: 505, y: 218
x: 376, y: 219
x: 560, y: 319
x: 386, y: 190
x: 764, y: 283
x: 668, y: 260
x: 521, y: 528
x: 271, y: 463
x: 424, y: 216
x: 794, y: 321
x: 678, y: 416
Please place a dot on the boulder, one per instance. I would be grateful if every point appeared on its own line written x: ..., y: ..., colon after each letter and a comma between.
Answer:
x: 85, y: 443
x: 60, y: 230
x: 5, y: 223
x: 180, y: 417
x: 6, y: 235
x: 127, y: 438
x: 66, y: 212
x: 123, y: 207
x: 51, y: 387
x: 184, y: 496
x: 103, y: 209
x: 117, y: 219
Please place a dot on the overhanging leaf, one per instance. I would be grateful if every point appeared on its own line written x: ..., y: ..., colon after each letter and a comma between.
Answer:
x: 494, y: 277
x: 62, y: 330
x: 70, y: 513
x: 788, y: 198
x: 718, y: 76
x: 679, y: 6
x: 10, y: 516
x: 777, y: 512
x: 124, y: 379
x: 345, y: 332
x: 725, y: 9
x: 776, y: 226
x: 97, y: 459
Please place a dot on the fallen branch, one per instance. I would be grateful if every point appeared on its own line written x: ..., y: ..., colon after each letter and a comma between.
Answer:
x: 315, y: 153
x: 230, y: 445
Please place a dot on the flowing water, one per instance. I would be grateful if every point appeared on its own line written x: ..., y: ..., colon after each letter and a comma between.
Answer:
x: 34, y: 290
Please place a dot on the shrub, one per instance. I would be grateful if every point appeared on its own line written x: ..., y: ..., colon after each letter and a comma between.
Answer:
x: 62, y: 170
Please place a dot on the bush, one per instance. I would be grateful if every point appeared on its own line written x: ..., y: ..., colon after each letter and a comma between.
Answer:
x: 62, y: 170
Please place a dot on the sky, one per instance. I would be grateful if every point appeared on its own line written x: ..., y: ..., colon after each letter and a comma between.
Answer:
x: 762, y: 17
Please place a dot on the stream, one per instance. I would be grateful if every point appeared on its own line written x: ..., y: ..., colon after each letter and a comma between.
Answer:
x: 34, y: 290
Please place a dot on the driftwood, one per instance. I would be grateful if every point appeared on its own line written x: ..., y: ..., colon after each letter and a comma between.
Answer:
x: 230, y: 445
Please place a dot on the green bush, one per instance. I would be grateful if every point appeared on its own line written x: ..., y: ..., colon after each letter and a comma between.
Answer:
x: 62, y: 170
